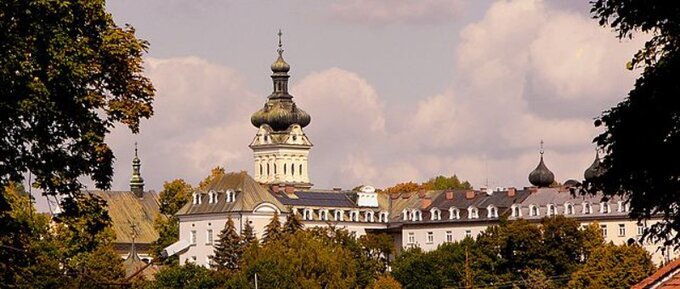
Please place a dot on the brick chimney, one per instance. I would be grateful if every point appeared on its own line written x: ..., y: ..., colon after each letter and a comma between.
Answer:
x: 337, y: 189
x: 421, y: 193
x: 425, y: 202
x: 290, y: 189
x: 511, y: 191
x: 449, y: 194
x: 275, y: 189
x: 470, y: 194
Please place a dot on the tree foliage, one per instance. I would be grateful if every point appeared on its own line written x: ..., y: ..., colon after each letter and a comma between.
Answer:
x: 228, y: 249
x: 292, y: 224
x: 174, y: 196
x: 272, y: 231
x: 613, y: 267
x: 647, y: 120
x: 215, y: 173
x: 436, y: 183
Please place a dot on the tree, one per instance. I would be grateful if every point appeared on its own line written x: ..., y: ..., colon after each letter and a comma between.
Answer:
x: 248, y: 234
x: 273, y: 230
x: 414, y: 268
x: 189, y: 276
x: 215, y: 173
x: 386, y: 282
x: 228, y: 249
x: 378, y: 247
x: 403, y: 188
x: 174, y: 196
x: 292, y: 224
x: 640, y: 137
x: 443, y: 183
x: 612, y: 266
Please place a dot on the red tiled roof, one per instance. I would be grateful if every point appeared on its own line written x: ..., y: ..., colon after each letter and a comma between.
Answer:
x: 666, y: 277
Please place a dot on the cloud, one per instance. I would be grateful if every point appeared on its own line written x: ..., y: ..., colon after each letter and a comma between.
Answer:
x: 396, y: 11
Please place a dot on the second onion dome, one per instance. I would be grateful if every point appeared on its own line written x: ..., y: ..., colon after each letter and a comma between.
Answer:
x: 595, y: 169
x: 541, y: 176
x: 280, y: 112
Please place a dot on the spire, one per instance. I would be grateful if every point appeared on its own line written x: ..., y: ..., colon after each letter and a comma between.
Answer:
x: 541, y: 176
x: 280, y: 112
x: 136, y: 181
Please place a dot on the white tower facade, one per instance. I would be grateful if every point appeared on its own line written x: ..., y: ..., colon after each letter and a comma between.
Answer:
x: 280, y: 147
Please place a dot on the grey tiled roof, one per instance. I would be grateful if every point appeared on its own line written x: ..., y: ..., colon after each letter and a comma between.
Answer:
x: 318, y: 199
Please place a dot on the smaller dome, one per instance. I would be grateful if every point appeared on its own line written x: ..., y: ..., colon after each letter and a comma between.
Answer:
x: 541, y: 176
x: 572, y: 183
x: 280, y: 65
x: 595, y: 169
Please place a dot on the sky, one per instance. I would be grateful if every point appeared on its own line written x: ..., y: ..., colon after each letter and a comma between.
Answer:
x: 398, y: 90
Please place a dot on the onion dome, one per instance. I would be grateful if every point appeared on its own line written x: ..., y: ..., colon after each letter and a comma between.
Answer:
x: 280, y: 111
x: 595, y: 169
x: 541, y: 176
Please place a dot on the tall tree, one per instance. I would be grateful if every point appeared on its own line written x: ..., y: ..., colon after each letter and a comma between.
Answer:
x: 273, y: 230
x: 641, y: 133
x: 174, y: 196
x: 612, y: 266
x: 248, y: 234
x: 228, y: 249
x: 215, y: 173
x: 292, y: 224
x: 443, y: 183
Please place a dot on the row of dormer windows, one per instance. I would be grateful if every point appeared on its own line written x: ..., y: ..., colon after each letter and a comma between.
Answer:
x: 369, y: 216
x: 213, y: 197
x: 569, y: 209
x: 454, y: 213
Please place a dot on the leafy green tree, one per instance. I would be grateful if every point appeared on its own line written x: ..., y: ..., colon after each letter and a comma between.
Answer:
x: 188, y: 276
x: 215, y: 173
x: 443, y: 183
x: 414, y: 268
x: 563, y: 242
x: 378, y: 247
x: 174, y: 196
x: 403, y: 188
x: 292, y: 224
x: 228, y: 249
x: 647, y: 120
x: 385, y: 282
x: 612, y: 266
x: 536, y: 279
x: 273, y: 230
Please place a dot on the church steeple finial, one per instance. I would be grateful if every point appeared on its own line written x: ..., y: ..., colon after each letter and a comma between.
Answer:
x: 280, y: 50
x: 136, y: 181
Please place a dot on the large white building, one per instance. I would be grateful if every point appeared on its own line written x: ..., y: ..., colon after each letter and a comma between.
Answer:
x: 425, y: 218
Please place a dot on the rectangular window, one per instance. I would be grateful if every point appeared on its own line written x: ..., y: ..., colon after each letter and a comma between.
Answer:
x: 640, y: 229
x: 430, y: 237
x: 411, y: 238
x: 622, y: 230
x: 449, y: 236
x: 192, y: 237
x: 209, y: 237
x: 468, y: 233
x: 604, y: 230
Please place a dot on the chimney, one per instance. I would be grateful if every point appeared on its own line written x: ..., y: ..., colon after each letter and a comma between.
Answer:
x: 394, y: 196
x: 511, y: 192
x: 290, y: 189
x: 449, y: 194
x: 470, y: 194
x: 421, y: 193
x: 425, y: 202
x: 405, y: 195
x: 337, y: 189
x: 275, y: 189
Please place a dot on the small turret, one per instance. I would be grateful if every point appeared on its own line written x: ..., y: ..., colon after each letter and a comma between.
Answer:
x: 595, y: 169
x: 136, y: 181
x: 541, y: 176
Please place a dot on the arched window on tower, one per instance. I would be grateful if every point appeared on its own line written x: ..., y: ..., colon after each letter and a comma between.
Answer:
x: 292, y: 169
x: 284, y: 169
x: 260, y: 169
x: 300, y: 170
x: 267, y: 169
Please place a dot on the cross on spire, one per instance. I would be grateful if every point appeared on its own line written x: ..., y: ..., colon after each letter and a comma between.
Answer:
x: 135, y: 149
x: 542, y: 151
x: 280, y: 50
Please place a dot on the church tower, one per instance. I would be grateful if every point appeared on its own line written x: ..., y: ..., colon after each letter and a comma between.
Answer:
x: 280, y: 147
x: 136, y: 181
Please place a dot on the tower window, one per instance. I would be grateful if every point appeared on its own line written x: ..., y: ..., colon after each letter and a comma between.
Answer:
x: 260, y: 169
x: 284, y: 169
x: 267, y: 169
x: 300, y: 171
x: 292, y: 169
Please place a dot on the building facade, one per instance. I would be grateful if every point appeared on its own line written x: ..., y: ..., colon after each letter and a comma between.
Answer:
x: 425, y: 219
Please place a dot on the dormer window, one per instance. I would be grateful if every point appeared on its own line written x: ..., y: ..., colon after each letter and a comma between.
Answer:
x: 231, y: 196
x: 516, y: 211
x: 435, y: 214
x: 492, y: 212
x: 604, y: 208
x: 354, y: 216
x: 416, y: 215
x: 568, y: 209
x: 212, y: 197
x: 620, y: 207
x: 339, y: 215
x: 533, y: 211
x: 473, y: 213
x: 323, y: 215
x: 368, y: 216
x: 405, y: 215
x: 196, y: 198
x: 587, y: 210
x: 551, y: 210
x: 383, y: 217
x: 454, y: 213
x: 307, y: 214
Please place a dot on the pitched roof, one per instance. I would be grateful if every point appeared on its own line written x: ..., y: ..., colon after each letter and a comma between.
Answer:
x: 318, y: 199
x: 248, y: 195
x: 125, y: 208
x: 666, y: 277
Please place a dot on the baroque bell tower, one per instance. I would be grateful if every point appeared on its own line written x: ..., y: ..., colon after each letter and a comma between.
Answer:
x: 280, y: 147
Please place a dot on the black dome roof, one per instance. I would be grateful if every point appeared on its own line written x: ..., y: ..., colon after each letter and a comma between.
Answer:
x: 541, y: 176
x: 595, y: 169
